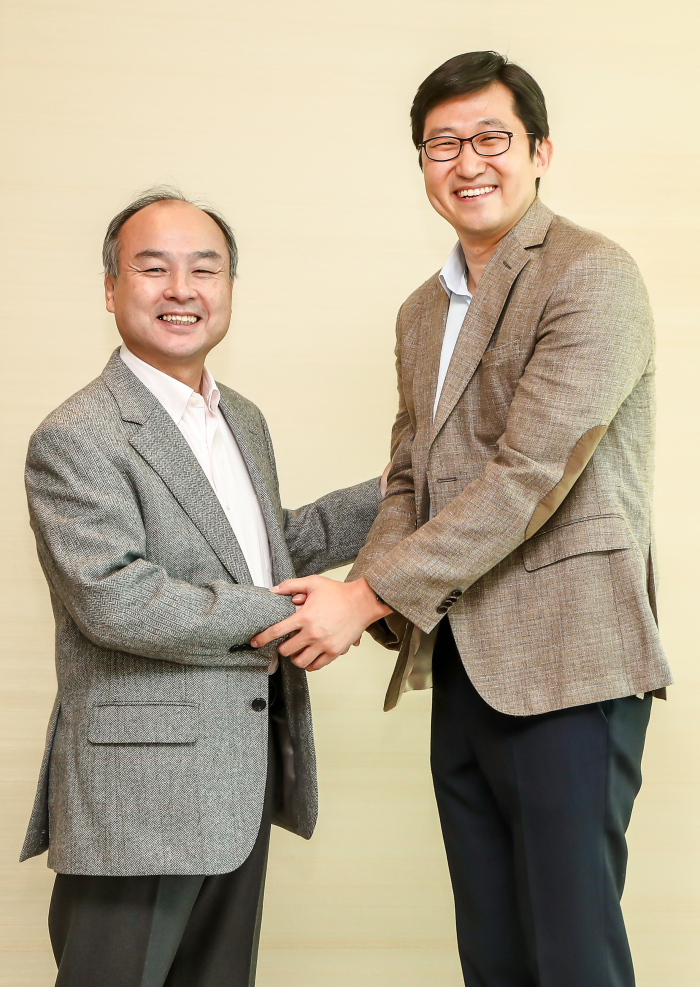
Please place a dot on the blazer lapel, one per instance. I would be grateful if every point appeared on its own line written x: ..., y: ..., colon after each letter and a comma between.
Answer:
x: 480, y: 321
x: 433, y: 318
x: 251, y: 441
x: 430, y: 335
x: 489, y: 299
x: 160, y: 443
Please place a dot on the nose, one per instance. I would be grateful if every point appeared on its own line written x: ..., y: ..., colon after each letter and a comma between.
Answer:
x: 180, y: 288
x: 469, y: 163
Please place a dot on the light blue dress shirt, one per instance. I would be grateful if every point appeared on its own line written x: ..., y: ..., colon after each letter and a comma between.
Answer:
x: 453, y: 278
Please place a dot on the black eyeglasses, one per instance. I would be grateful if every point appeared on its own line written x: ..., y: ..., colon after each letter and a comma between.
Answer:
x: 488, y: 144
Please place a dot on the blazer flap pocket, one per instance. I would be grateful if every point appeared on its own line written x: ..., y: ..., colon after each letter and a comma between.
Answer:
x: 592, y: 534
x: 499, y: 353
x: 143, y: 723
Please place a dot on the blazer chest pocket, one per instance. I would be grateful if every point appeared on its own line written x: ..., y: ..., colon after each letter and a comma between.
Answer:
x: 143, y: 723
x: 498, y: 355
x: 607, y: 533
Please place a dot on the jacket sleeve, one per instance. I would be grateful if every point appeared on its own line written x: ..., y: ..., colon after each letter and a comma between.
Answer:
x: 595, y: 342
x: 329, y: 532
x: 92, y: 547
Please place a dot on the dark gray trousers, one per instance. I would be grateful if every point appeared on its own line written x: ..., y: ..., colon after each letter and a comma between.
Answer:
x: 163, y: 931
x: 534, y: 811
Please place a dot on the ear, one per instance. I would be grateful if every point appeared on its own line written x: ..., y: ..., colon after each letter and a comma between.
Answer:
x: 543, y: 154
x: 109, y: 293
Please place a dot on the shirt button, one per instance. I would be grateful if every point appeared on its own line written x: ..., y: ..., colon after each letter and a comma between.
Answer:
x: 258, y: 705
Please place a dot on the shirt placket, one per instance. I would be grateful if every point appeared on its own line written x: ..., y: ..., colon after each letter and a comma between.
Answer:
x: 216, y: 454
x: 195, y: 425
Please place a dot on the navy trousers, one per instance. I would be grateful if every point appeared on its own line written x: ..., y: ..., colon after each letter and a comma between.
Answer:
x: 534, y: 811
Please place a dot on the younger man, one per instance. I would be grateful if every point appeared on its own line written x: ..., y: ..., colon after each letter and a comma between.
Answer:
x: 515, y: 544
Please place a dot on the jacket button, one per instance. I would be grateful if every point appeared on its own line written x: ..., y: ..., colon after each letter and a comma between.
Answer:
x: 258, y: 705
x: 237, y: 647
x: 456, y: 593
x: 441, y: 608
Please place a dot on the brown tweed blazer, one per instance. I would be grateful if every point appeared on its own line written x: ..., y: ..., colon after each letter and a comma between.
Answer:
x: 539, y: 469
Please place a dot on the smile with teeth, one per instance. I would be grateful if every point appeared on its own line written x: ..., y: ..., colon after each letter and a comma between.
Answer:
x: 472, y: 193
x: 180, y: 320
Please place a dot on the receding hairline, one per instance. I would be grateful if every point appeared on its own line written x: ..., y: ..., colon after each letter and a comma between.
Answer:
x: 170, y: 202
x: 156, y: 195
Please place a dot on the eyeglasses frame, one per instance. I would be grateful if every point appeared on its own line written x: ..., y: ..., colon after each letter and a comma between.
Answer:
x: 470, y: 140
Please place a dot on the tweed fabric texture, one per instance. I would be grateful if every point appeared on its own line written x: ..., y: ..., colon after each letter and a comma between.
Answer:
x: 156, y: 760
x: 539, y: 469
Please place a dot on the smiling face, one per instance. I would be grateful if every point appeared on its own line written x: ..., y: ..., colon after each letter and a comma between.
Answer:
x: 482, y: 197
x: 172, y: 299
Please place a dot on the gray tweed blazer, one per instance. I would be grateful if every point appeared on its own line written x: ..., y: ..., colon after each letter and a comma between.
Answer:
x: 156, y: 758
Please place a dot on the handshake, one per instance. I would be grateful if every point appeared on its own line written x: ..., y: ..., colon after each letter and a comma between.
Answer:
x: 331, y: 616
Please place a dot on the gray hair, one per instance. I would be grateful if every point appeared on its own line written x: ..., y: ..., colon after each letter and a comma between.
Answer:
x: 160, y: 193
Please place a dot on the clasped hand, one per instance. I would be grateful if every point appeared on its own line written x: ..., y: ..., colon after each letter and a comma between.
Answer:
x: 330, y: 619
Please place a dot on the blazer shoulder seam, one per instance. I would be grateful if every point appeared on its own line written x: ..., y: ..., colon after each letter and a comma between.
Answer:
x: 70, y: 413
x: 584, y: 242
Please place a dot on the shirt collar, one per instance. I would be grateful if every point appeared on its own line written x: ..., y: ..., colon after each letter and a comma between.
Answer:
x: 171, y: 393
x: 210, y: 391
x: 453, y: 276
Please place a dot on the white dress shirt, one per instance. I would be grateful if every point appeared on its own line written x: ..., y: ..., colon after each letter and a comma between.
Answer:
x: 209, y: 437
x: 453, y: 278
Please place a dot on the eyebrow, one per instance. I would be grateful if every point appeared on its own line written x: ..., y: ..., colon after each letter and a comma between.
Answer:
x: 490, y: 122
x: 209, y: 254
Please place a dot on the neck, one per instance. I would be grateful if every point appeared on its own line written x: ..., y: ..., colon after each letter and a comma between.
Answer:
x: 188, y: 370
x: 477, y: 255
x: 478, y: 250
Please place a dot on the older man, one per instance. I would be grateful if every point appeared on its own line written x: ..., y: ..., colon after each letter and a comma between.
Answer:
x: 154, y: 500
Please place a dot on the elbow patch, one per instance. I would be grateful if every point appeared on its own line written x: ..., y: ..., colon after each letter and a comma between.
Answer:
x: 576, y: 463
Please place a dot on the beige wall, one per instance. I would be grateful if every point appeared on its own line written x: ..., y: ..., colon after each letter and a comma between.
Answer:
x: 103, y: 99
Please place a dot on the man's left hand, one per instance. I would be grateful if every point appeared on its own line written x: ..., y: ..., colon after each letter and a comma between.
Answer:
x: 331, y: 620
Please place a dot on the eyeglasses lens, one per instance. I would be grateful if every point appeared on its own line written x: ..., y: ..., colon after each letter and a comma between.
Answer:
x: 447, y: 148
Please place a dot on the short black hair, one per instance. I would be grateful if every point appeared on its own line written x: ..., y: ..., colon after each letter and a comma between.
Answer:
x: 471, y: 72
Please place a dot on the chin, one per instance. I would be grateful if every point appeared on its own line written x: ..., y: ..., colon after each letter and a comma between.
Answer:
x: 179, y: 345
x: 185, y: 352
x: 480, y: 224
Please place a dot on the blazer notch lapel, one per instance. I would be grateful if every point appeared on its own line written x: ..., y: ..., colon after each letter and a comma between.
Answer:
x: 252, y: 444
x: 134, y: 400
x: 534, y: 226
x: 432, y: 333
x: 484, y: 312
x: 161, y: 444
